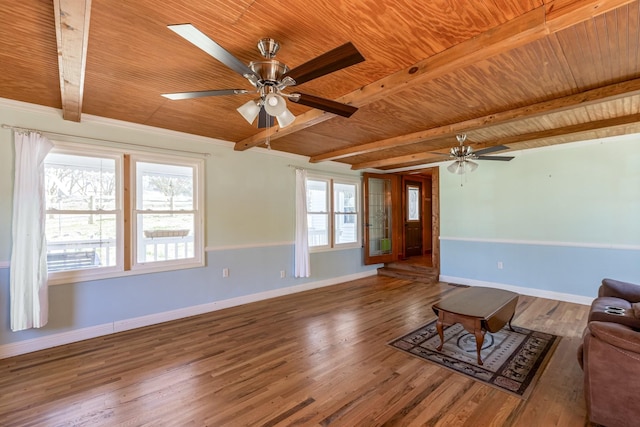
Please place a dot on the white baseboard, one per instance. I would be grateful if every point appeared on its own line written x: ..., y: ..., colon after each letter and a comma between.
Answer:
x: 578, y: 299
x: 54, y: 340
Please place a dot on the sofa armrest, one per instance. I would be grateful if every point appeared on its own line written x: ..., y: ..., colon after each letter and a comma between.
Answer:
x: 617, y: 335
x: 618, y: 289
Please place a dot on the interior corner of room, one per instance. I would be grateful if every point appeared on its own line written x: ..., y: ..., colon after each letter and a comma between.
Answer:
x: 494, y: 145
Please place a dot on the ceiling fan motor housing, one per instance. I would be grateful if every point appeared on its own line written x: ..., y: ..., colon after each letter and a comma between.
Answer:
x: 270, y: 71
x: 461, y: 151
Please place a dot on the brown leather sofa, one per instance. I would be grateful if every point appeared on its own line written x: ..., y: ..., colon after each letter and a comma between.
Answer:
x: 610, y: 355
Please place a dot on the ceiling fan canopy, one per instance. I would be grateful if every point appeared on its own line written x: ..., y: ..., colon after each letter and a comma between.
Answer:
x: 269, y: 78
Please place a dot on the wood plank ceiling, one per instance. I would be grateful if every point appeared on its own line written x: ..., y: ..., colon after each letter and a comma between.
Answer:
x: 522, y: 73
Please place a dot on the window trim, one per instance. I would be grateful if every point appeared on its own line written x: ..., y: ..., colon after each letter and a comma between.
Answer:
x: 125, y: 212
x: 331, y: 213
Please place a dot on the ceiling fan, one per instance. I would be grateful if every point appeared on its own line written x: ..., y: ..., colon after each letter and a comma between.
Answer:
x: 464, y: 156
x: 270, y: 77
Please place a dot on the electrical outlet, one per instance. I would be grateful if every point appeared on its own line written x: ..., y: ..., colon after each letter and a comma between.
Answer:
x: 225, y: 272
x: 500, y: 265
x: 283, y: 274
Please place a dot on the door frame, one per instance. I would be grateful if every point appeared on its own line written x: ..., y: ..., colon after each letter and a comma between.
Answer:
x: 398, y: 212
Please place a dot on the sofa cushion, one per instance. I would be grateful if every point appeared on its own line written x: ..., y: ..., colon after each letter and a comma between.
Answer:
x: 620, y: 336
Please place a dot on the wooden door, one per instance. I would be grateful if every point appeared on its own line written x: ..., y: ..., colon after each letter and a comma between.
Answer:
x: 381, y: 202
x: 413, y: 218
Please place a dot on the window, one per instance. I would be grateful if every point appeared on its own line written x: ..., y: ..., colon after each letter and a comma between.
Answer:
x: 165, y: 215
x: 94, y: 231
x: 318, y: 212
x: 83, y: 211
x: 413, y: 203
x: 332, y: 213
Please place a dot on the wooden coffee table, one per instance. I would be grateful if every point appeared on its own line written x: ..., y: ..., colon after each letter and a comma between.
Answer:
x: 478, y: 310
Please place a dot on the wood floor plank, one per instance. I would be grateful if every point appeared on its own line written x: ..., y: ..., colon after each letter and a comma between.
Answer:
x: 314, y: 358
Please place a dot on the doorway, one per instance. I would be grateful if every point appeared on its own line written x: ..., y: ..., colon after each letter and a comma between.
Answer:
x: 402, y: 217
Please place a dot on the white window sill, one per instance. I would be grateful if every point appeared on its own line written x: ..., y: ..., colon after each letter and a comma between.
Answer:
x: 77, y: 276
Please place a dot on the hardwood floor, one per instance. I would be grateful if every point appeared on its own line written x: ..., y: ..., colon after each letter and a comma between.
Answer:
x: 313, y: 358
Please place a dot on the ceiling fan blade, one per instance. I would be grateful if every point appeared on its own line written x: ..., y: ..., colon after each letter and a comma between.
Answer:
x: 264, y: 119
x: 201, y: 93
x: 324, y: 104
x: 503, y: 158
x: 490, y: 150
x: 201, y: 40
x: 334, y: 60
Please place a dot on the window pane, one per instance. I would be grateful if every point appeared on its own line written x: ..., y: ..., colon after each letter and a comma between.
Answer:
x: 380, y: 224
x: 344, y: 198
x: 318, y: 226
x: 317, y: 200
x: 163, y: 237
x: 345, y: 228
x: 79, y: 182
x: 80, y: 241
x: 413, y: 203
x: 164, y: 187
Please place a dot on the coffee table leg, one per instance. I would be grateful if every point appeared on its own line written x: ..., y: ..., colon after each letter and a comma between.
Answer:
x: 511, y: 327
x: 440, y: 333
x: 479, y: 334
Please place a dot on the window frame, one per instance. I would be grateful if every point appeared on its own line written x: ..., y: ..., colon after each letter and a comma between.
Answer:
x: 331, y: 213
x: 125, y: 213
x: 325, y: 213
x: 198, y: 222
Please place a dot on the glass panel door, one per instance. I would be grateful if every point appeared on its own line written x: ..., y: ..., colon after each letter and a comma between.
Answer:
x: 380, y: 200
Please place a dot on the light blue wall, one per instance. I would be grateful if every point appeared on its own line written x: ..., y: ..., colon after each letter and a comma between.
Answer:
x: 251, y: 271
x: 249, y: 230
x: 559, y: 218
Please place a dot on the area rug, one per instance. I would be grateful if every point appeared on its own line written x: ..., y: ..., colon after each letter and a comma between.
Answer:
x: 512, y: 361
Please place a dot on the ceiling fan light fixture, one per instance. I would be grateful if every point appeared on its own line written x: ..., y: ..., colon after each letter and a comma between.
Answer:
x: 460, y: 167
x: 249, y: 110
x: 286, y: 118
x: 274, y: 104
x: 470, y: 166
x: 456, y: 167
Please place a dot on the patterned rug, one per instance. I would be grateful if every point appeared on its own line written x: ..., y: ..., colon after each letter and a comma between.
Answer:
x: 512, y: 361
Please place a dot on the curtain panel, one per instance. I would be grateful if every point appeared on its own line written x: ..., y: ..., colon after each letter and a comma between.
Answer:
x: 301, y: 256
x: 28, y: 273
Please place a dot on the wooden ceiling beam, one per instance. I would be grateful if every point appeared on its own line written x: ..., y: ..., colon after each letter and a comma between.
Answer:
x: 514, y: 142
x: 72, y: 35
x: 582, y: 99
x: 521, y: 142
x: 529, y: 27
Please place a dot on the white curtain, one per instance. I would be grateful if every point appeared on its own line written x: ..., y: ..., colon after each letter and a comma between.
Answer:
x: 302, y: 237
x: 28, y: 274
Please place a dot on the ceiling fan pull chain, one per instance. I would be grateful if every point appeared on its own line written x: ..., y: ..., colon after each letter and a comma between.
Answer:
x: 268, y: 138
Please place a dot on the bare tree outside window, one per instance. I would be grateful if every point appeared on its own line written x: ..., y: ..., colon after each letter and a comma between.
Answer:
x: 171, y: 187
